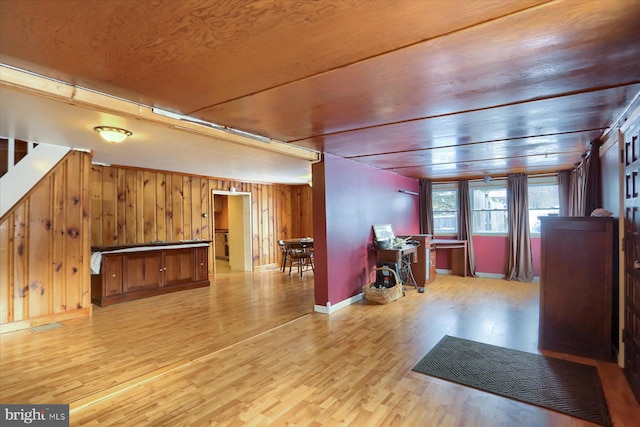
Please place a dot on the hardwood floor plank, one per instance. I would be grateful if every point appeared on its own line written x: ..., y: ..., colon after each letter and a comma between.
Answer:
x: 248, y: 351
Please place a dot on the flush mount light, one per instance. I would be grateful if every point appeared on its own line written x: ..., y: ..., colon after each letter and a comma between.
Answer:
x: 112, y: 134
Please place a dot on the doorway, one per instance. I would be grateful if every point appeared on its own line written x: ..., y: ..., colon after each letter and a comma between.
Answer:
x: 232, y: 246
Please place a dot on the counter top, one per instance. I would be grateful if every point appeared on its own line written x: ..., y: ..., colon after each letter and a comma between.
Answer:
x: 152, y: 244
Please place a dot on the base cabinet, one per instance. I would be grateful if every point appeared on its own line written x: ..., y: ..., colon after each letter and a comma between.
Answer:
x: 126, y: 276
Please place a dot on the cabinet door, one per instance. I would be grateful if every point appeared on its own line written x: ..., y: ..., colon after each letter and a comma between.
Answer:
x: 111, y: 275
x: 142, y: 271
x: 179, y: 266
x: 202, y: 264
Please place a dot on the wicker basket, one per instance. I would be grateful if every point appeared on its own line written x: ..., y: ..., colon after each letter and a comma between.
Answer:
x: 383, y: 295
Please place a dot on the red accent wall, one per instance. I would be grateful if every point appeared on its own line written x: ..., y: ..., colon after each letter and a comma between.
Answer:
x: 348, y: 198
x: 490, y: 254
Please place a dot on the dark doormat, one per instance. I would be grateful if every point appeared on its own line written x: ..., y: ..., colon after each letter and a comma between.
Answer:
x: 568, y: 387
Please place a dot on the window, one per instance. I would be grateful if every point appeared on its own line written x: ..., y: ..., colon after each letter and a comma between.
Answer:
x: 489, y: 210
x: 543, y: 200
x: 445, y: 211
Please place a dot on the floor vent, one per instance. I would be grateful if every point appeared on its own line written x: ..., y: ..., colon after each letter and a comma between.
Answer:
x: 48, y: 326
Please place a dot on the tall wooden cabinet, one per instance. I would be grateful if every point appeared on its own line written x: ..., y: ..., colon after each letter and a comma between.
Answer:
x: 579, y: 286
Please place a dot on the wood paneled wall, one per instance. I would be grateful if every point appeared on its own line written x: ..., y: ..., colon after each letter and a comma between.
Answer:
x: 45, y: 249
x: 301, y: 211
x: 130, y: 205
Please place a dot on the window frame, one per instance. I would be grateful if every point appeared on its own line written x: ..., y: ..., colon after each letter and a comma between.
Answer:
x: 499, y: 183
x: 536, y: 182
x: 445, y: 186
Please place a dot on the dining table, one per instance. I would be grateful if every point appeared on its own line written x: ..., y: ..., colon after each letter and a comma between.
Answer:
x: 299, y: 244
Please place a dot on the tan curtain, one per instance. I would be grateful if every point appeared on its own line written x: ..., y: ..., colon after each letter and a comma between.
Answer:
x: 564, y: 189
x: 464, y: 224
x: 577, y: 186
x: 426, y: 207
x: 519, y: 260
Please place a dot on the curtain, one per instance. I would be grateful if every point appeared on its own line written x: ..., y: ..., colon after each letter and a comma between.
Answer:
x: 593, y: 184
x: 519, y: 260
x: 464, y: 224
x: 426, y: 207
x: 564, y: 188
x: 577, y: 189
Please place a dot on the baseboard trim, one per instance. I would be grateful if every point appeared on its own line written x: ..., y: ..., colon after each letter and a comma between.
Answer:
x: 329, y: 308
x: 43, y: 320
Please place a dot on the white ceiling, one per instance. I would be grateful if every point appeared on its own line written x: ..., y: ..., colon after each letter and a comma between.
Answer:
x: 37, y: 119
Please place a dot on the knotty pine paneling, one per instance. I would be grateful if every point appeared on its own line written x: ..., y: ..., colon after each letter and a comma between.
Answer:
x: 302, y: 211
x: 169, y: 206
x: 45, y: 248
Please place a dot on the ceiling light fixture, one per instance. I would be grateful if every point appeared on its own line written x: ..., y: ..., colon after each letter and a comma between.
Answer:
x: 112, y: 134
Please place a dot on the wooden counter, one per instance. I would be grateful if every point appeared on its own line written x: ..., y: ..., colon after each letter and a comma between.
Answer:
x: 128, y: 272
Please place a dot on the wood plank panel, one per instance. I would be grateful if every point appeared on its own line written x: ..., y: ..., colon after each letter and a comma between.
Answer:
x: 59, y: 282
x: 161, y: 232
x: 20, y: 267
x: 46, y: 239
x: 84, y: 204
x: 186, y: 207
x: 149, y: 206
x: 207, y: 224
x: 302, y: 211
x: 130, y: 206
x: 109, y: 228
x: 39, y: 246
x: 121, y: 205
x: 196, y: 208
x: 77, y: 233
x: 6, y: 272
x: 96, y: 200
x: 139, y: 205
x: 177, y: 206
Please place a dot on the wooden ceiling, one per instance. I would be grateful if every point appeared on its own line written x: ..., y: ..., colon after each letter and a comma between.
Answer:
x: 429, y: 89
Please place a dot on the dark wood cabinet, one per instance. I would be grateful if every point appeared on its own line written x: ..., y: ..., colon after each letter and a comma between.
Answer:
x: 578, y: 286
x: 111, y: 276
x: 202, y: 264
x: 140, y: 270
x: 143, y: 271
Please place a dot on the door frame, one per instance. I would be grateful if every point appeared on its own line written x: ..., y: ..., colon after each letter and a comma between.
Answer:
x: 247, y: 222
x: 626, y: 131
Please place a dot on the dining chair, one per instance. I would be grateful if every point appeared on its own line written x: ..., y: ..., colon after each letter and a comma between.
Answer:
x: 284, y: 251
x: 301, y: 255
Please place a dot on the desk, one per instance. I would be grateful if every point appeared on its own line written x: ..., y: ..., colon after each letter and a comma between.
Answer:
x: 458, y: 254
x: 403, y: 257
x: 424, y: 271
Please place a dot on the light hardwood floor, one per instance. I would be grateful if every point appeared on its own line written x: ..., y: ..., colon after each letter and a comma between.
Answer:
x: 250, y: 351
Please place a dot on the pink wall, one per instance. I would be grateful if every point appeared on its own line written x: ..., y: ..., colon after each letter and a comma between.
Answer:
x: 348, y: 198
x: 490, y: 254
